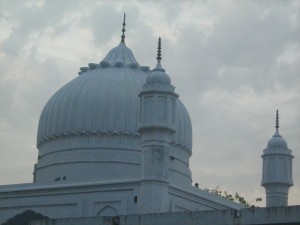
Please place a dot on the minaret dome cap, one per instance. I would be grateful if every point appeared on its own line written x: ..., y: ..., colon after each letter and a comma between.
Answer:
x: 277, y: 141
x: 158, y: 75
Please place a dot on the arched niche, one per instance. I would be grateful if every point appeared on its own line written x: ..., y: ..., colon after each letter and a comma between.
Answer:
x: 108, y: 211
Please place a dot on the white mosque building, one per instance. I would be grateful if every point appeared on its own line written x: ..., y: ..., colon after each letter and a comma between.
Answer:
x: 117, y: 140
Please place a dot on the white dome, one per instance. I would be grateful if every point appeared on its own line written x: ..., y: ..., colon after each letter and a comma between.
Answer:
x: 99, y: 110
x: 277, y: 141
x: 103, y: 99
x: 158, y: 76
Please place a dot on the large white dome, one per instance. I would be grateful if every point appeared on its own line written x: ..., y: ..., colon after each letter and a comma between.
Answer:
x: 90, y: 124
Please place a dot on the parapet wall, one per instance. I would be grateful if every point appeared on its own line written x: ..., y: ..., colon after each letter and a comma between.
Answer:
x: 249, y: 216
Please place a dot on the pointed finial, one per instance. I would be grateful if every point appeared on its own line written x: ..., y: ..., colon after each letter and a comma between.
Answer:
x: 123, y: 30
x: 277, y: 120
x: 158, y: 66
x: 159, y: 51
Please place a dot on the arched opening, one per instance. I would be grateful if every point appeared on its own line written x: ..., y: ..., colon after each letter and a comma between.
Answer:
x: 108, y: 211
x: 24, y: 218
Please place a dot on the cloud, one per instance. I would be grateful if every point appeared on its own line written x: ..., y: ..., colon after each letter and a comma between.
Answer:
x: 29, y: 18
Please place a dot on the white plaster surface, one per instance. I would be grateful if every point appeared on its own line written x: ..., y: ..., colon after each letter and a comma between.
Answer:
x: 260, y: 216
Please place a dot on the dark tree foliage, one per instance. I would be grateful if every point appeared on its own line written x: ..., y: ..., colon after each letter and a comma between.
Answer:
x: 235, y: 198
x: 24, y: 218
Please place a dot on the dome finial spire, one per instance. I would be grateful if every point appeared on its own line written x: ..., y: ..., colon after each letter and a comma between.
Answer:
x: 158, y: 58
x: 123, y: 30
x: 159, y: 51
x: 277, y: 120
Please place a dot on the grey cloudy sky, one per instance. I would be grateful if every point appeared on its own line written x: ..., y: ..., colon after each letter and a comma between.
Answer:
x: 232, y: 62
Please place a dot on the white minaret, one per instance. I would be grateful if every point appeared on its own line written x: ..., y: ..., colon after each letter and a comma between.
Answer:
x: 277, y: 170
x: 156, y: 126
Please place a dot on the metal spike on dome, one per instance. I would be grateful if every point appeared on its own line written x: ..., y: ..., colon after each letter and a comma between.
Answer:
x: 158, y: 66
x: 277, y: 120
x: 123, y: 30
x: 159, y: 51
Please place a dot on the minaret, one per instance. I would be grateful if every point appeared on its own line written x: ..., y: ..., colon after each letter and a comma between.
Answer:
x: 156, y: 126
x: 277, y: 170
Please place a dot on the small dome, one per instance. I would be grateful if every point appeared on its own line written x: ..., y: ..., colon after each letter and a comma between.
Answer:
x: 158, y: 76
x: 277, y: 141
